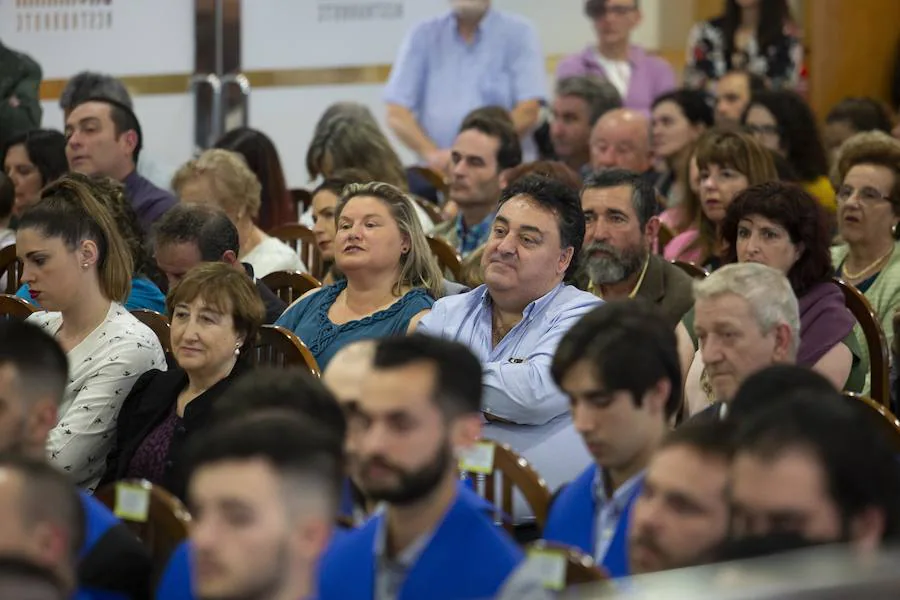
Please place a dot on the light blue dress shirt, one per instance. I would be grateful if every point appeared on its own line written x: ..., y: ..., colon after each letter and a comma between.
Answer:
x: 440, y: 78
x: 517, y: 382
x: 610, y: 510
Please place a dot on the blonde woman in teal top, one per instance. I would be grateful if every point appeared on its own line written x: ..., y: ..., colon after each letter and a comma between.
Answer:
x: 392, y: 278
x: 867, y: 178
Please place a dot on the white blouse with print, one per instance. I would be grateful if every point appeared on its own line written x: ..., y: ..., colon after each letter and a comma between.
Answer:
x: 102, y: 369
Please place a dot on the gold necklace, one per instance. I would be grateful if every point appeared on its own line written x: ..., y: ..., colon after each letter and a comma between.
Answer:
x: 866, y: 270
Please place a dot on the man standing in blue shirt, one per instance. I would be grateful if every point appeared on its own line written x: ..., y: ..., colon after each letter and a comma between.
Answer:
x: 484, y: 148
x: 619, y: 367
x: 471, y: 57
x: 514, y: 322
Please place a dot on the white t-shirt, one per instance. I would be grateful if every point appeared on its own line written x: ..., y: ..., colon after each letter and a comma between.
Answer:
x: 272, y: 255
x: 618, y: 72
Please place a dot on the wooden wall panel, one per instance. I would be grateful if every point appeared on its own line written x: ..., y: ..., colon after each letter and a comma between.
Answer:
x: 853, y: 46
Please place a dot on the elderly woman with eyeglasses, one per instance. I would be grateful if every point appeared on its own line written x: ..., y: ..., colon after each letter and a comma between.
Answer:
x: 867, y: 178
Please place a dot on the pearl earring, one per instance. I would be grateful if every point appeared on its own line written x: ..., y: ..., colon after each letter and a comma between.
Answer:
x: 237, y: 349
x: 84, y: 266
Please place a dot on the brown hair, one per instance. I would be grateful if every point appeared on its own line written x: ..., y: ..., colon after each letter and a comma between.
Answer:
x: 225, y: 289
x: 734, y: 150
x: 234, y: 186
x: 418, y: 267
x: 551, y: 169
x: 69, y: 209
x: 873, y: 148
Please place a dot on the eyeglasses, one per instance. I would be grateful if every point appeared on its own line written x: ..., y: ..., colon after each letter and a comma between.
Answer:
x: 865, y: 194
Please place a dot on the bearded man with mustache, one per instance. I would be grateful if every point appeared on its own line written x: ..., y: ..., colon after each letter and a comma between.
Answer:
x: 621, y: 224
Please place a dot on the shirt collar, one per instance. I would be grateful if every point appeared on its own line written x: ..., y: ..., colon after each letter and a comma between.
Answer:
x: 534, y: 305
x: 483, y: 25
x: 405, y: 559
x: 621, y: 496
x: 637, y: 286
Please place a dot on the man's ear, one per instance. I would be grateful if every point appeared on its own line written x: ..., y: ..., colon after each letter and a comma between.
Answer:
x: 651, y: 229
x: 783, y: 343
x: 565, y: 259
x: 466, y: 430
x: 229, y: 258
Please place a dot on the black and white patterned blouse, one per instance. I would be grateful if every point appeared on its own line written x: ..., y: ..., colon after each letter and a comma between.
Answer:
x: 781, y: 63
x: 102, y: 369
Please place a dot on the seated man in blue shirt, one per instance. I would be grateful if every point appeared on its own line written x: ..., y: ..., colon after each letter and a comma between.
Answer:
x: 111, y: 562
x: 485, y: 147
x: 471, y: 57
x: 514, y: 322
x: 419, y: 404
x: 619, y: 367
x: 263, y: 492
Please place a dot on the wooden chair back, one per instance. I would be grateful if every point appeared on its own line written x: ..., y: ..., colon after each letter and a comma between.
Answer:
x: 663, y: 238
x: 876, y: 342
x: 13, y: 307
x: 278, y: 347
x: 691, y: 269
x: 11, y: 267
x: 579, y: 568
x: 155, y: 516
x: 448, y: 257
x: 433, y: 212
x: 302, y: 239
x: 883, y: 419
x: 159, y: 323
x: 497, y: 466
x: 301, y: 197
x: 435, y: 179
x: 290, y: 285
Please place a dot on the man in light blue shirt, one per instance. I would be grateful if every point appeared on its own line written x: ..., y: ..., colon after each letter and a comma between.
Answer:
x: 514, y: 322
x: 471, y: 57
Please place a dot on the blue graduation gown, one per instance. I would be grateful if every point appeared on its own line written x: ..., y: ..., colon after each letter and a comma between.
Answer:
x: 466, y: 558
x: 573, y: 519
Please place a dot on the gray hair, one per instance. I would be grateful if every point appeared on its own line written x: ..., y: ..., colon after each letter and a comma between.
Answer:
x: 643, y: 194
x: 88, y: 84
x: 767, y: 291
x: 601, y: 96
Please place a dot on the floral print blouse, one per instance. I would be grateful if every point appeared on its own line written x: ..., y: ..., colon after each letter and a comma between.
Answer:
x: 102, y: 369
x: 780, y: 63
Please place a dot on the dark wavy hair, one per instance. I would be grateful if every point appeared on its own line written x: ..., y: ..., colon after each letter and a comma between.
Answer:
x: 797, y: 130
x: 774, y: 15
x: 801, y: 216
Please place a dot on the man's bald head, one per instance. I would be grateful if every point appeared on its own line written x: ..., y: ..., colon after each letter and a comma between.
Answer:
x: 621, y: 139
x: 345, y: 372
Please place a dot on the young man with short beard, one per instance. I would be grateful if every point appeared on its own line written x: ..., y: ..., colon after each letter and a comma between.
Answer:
x: 420, y: 403
x: 621, y: 224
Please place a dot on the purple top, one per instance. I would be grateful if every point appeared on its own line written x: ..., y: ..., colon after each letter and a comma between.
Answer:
x: 149, y: 460
x: 824, y: 322
x: 149, y: 201
x: 651, y: 76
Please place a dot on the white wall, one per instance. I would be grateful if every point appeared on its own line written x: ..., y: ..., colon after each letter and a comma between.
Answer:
x: 122, y: 39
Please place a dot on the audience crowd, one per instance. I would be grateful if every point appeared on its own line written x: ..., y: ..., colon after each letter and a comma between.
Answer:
x: 673, y: 307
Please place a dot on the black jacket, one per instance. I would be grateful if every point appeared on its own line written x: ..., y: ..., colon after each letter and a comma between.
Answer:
x: 151, y: 400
